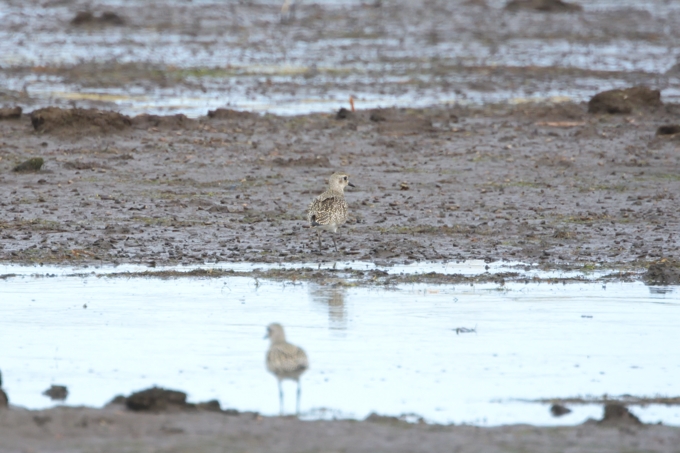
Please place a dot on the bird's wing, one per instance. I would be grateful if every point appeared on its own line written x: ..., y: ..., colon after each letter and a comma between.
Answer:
x: 322, y: 209
x: 286, y: 358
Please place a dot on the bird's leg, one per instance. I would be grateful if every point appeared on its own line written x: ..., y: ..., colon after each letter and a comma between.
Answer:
x: 334, y: 244
x: 298, y: 399
x: 318, y: 234
x: 280, y: 398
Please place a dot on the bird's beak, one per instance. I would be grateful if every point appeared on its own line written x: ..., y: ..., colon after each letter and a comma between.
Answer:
x: 350, y: 184
x: 266, y: 336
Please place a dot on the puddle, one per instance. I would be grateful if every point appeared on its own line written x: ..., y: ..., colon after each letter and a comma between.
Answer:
x: 391, y: 351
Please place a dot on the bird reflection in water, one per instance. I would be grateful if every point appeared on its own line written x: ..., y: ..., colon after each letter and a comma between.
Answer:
x: 332, y: 294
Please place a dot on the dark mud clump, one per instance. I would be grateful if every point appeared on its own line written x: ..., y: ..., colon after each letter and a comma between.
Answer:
x: 88, y: 19
x: 4, y: 400
x: 663, y: 272
x: 31, y: 165
x: 544, y: 6
x: 558, y: 410
x: 617, y: 415
x: 669, y: 129
x: 229, y: 114
x: 625, y: 101
x: 344, y: 114
x: 179, y: 121
x: 57, y: 392
x: 158, y: 399
x: 10, y: 113
x: 77, y: 122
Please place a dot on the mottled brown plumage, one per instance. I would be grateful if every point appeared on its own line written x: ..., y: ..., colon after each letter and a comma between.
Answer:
x: 285, y: 360
x: 329, y: 210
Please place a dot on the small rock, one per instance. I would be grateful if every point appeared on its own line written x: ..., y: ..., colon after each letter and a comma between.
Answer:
x: 558, y: 410
x: 57, y: 392
x: 31, y: 165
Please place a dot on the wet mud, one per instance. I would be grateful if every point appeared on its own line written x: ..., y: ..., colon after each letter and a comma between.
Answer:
x: 75, y: 429
x: 548, y: 184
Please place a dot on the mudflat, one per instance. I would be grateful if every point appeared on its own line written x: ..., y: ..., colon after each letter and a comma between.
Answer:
x: 551, y: 184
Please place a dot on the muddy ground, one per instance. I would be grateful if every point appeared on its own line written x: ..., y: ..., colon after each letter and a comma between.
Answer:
x: 114, y: 429
x: 549, y: 184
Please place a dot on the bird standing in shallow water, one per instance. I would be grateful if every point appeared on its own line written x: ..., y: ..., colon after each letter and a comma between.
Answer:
x: 329, y: 210
x: 285, y: 360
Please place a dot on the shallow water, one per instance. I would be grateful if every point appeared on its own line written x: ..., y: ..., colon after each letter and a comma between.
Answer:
x: 391, y: 351
x: 403, y: 54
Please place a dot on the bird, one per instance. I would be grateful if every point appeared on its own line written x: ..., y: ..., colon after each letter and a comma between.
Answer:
x: 329, y: 210
x: 4, y: 401
x: 285, y: 360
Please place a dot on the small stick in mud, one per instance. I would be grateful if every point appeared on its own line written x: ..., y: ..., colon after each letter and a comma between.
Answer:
x: 329, y: 210
x: 285, y: 360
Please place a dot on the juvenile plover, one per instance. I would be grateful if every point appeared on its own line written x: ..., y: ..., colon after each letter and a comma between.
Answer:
x: 285, y: 360
x: 329, y: 210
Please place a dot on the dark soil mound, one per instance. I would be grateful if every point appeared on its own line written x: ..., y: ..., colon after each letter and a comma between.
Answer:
x: 178, y: 121
x: 625, y: 101
x: 229, y: 114
x: 31, y: 165
x: 87, y: 18
x: 618, y: 414
x: 156, y: 399
x: 663, y: 272
x: 10, y: 113
x: 669, y: 129
x: 544, y: 6
x: 77, y: 122
x: 344, y: 114
x: 57, y: 392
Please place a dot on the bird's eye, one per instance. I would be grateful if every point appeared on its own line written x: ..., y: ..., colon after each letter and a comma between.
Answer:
x: 345, y: 178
